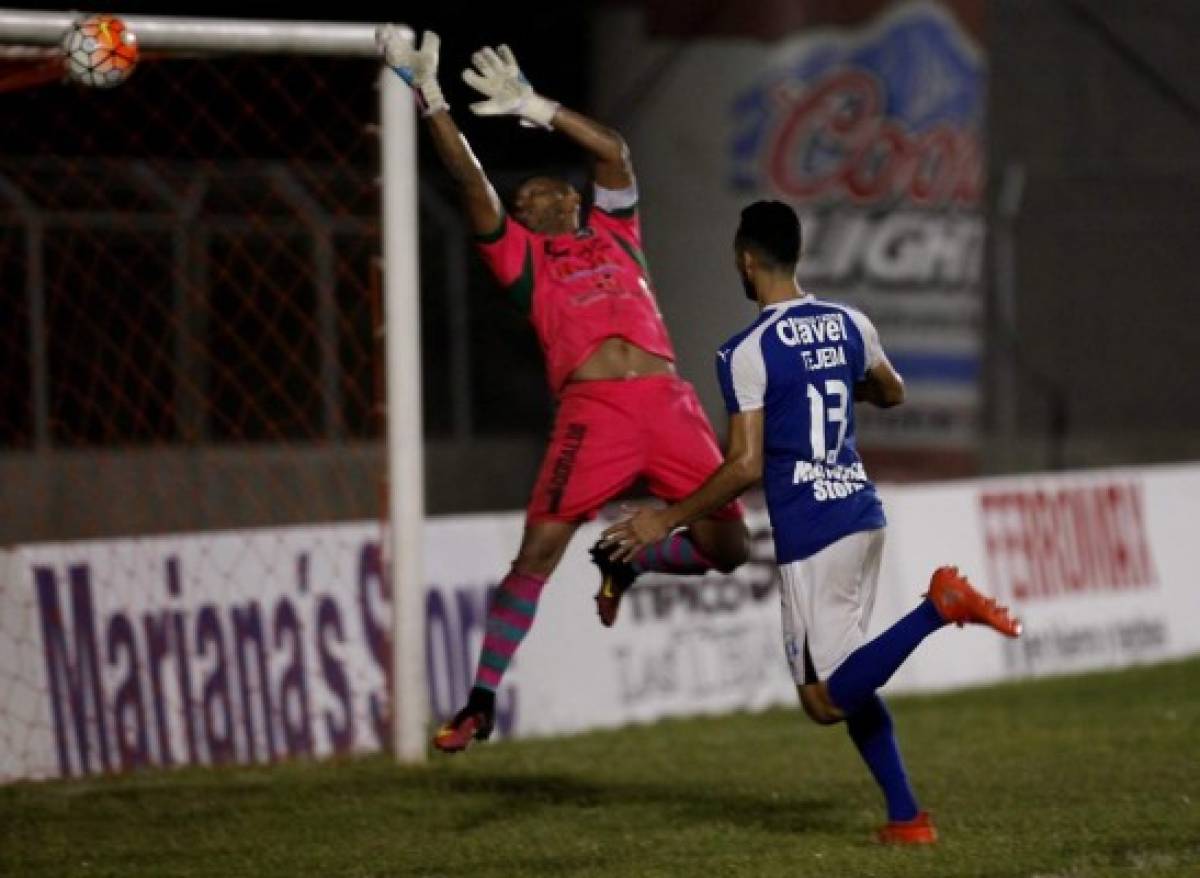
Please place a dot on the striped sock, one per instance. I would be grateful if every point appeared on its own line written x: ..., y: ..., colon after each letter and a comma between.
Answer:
x: 509, y: 619
x: 676, y: 553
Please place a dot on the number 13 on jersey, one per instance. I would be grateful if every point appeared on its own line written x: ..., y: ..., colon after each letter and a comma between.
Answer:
x: 828, y: 408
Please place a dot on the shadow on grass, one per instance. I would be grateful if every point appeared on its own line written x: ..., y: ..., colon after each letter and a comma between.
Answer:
x: 503, y: 796
x: 477, y: 799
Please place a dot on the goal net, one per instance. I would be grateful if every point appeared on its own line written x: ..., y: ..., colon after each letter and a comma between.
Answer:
x: 194, y: 440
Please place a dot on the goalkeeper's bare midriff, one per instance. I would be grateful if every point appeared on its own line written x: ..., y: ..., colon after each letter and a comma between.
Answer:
x: 618, y: 358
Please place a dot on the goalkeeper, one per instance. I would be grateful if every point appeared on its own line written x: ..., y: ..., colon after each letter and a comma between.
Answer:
x: 623, y: 413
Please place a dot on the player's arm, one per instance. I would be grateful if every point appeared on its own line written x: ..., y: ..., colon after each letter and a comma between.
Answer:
x: 741, y: 470
x: 742, y: 376
x: 480, y: 202
x: 881, y: 386
x: 418, y: 68
x: 498, y: 77
x: 612, y: 167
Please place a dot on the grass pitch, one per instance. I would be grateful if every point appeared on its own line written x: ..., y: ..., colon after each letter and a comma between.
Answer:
x: 1086, y: 776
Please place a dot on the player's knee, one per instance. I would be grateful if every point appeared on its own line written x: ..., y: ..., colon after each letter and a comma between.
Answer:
x: 734, y: 550
x: 535, y: 560
x: 818, y: 707
x: 740, y: 553
x: 541, y: 547
x: 819, y: 716
x: 729, y: 563
x: 539, y: 555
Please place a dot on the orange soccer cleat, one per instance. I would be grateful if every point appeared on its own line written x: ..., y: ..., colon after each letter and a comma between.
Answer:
x: 919, y: 830
x: 957, y: 601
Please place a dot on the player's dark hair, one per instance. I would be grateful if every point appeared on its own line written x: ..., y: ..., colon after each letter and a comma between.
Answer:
x: 772, y: 230
x: 571, y: 178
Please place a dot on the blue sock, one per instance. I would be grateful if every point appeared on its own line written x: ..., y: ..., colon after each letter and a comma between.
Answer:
x: 873, y: 663
x: 870, y: 728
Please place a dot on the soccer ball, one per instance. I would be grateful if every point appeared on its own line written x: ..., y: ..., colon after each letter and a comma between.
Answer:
x: 99, y: 51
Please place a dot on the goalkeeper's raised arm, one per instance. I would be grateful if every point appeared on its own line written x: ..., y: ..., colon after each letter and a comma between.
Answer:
x: 418, y: 67
x: 498, y: 77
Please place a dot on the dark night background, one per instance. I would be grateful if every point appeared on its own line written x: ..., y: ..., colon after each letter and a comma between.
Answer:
x: 1096, y: 101
x: 551, y: 41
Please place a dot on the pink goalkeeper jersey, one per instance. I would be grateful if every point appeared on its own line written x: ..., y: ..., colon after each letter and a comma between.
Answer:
x: 579, y: 289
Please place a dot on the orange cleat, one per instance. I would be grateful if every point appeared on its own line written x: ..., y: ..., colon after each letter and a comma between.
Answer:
x: 919, y: 830
x: 957, y: 601
x: 468, y: 725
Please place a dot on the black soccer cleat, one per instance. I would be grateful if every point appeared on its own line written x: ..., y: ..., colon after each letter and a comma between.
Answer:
x: 615, y: 579
x: 474, y: 722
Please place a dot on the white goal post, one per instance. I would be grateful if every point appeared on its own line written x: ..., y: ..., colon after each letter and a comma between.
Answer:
x: 23, y: 28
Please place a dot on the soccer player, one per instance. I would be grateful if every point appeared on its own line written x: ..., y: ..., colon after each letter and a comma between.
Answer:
x: 623, y: 413
x: 789, y: 381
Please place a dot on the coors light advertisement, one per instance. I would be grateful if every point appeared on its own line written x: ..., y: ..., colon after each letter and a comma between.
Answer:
x: 871, y: 126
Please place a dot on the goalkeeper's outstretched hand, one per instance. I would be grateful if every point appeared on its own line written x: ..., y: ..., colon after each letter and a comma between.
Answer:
x: 416, y: 66
x: 498, y: 77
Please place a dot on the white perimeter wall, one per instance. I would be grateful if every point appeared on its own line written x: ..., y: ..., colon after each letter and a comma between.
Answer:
x: 265, y: 644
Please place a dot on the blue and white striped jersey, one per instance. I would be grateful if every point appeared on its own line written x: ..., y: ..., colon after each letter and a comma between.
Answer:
x: 799, y: 362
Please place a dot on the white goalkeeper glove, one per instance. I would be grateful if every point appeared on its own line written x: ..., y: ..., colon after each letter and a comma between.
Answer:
x: 508, y: 92
x: 417, y: 67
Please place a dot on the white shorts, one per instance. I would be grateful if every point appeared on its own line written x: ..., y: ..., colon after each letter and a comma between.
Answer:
x: 827, y: 601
